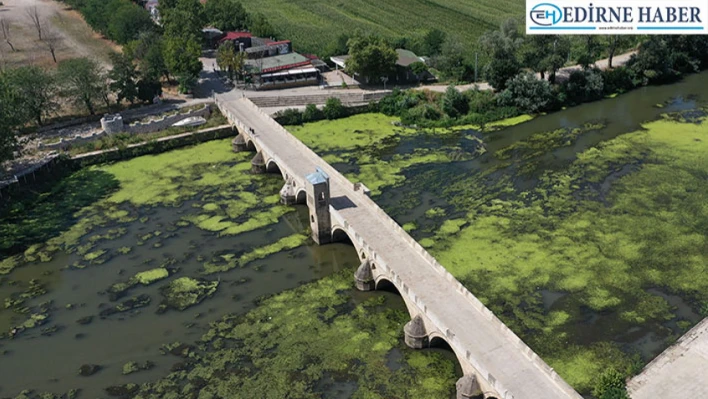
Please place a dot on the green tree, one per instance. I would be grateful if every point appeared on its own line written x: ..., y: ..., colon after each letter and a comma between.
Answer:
x: 527, y: 93
x: 334, y: 109
x: 582, y: 86
x: 37, y: 90
x: 228, y: 58
x: 545, y: 53
x: 418, y: 68
x: 454, y: 103
x: 338, y: 46
x: 614, y: 43
x: 81, y: 80
x: 610, y: 385
x: 123, y: 77
x: 587, y: 49
x: 432, y: 42
x: 148, y: 51
x: 148, y: 89
x: 655, y: 61
x: 259, y: 26
x: 182, y: 59
x: 185, y: 19
x: 226, y: 15
x: 451, y: 60
x: 128, y: 22
x: 371, y: 57
x: 10, y: 117
x: 503, y: 66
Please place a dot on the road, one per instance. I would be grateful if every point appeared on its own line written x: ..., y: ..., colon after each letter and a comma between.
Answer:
x: 563, y: 73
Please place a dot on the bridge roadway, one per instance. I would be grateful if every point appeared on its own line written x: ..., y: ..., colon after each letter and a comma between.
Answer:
x: 502, y: 365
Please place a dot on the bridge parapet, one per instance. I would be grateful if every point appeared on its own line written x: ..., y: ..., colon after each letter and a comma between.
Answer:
x: 472, y: 360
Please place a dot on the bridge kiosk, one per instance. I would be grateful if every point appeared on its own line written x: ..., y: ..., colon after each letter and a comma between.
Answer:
x: 318, y: 204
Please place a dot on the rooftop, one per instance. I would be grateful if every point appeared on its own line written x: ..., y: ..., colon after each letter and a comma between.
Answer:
x: 277, y: 62
x: 236, y: 35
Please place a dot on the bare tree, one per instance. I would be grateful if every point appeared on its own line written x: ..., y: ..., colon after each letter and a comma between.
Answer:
x: 5, y: 29
x: 35, y: 18
x: 52, y: 40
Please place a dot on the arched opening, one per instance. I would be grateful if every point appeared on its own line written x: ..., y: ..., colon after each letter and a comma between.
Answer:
x: 250, y: 146
x: 300, y: 197
x: 339, y: 235
x: 386, y: 285
x: 440, y: 345
x: 272, y: 167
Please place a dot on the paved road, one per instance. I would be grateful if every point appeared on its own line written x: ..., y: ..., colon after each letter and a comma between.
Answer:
x: 472, y: 329
x: 563, y: 73
x: 680, y: 372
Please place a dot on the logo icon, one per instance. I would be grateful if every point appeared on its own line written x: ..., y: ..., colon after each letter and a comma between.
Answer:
x: 546, y: 14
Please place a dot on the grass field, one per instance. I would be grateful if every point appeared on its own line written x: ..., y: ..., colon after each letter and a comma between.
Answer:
x: 313, y: 24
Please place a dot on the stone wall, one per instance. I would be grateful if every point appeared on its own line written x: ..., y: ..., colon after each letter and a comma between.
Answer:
x: 136, y: 128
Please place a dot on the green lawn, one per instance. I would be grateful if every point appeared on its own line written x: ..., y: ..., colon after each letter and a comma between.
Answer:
x: 313, y: 24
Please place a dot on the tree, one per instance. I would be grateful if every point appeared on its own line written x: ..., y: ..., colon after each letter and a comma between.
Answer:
x: 128, y: 22
x: 371, y: 57
x: 147, y: 50
x: 338, y: 46
x: 52, y: 40
x: 418, y: 68
x: 545, y: 53
x: 10, y: 117
x: 226, y: 15
x: 148, y: 89
x: 333, y: 108
x: 527, y: 93
x: 432, y: 42
x: 35, y: 19
x: 614, y: 42
x: 185, y: 19
x: 228, y: 58
x: 454, y: 103
x: 182, y: 59
x: 36, y: 90
x: 450, y: 61
x: 123, y: 78
x: 81, y: 80
x: 655, y: 62
x: 259, y: 26
x: 503, y: 66
x: 588, y: 51
x: 5, y: 30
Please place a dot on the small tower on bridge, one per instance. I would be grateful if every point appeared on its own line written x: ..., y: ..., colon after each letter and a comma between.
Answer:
x: 318, y: 204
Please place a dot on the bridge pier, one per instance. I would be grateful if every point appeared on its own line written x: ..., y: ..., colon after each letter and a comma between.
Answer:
x: 288, y: 194
x: 258, y: 165
x: 364, y: 277
x: 414, y: 333
x: 468, y: 387
x: 238, y: 144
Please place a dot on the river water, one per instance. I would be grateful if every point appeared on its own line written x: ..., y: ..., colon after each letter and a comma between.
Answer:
x: 47, y: 357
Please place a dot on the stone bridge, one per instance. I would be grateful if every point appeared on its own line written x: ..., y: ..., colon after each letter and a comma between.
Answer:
x: 494, y: 361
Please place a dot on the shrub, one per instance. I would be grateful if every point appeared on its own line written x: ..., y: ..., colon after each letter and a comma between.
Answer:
x: 583, y: 86
x: 618, y: 80
x: 454, y: 103
x: 334, y: 109
x: 481, y: 101
x: 527, y: 93
x: 311, y: 113
x: 289, y: 116
x: 610, y: 385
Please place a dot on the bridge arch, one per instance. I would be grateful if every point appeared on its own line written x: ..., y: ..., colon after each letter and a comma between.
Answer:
x: 340, y: 234
x: 250, y: 145
x: 272, y: 167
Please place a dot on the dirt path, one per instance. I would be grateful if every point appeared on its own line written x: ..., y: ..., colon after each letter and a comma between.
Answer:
x: 562, y: 73
x: 76, y: 38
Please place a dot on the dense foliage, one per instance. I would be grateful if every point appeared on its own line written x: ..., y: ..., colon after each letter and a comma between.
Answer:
x: 118, y: 20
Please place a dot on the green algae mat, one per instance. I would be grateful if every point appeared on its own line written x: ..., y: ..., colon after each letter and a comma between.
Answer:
x: 596, y: 257
x: 229, y: 295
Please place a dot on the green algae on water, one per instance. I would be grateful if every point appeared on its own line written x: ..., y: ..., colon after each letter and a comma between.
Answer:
x: 185, y: 292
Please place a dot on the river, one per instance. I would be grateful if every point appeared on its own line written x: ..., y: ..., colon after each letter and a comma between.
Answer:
x: 516, y: 213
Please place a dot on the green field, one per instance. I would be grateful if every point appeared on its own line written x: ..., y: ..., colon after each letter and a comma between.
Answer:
x: 313, y: 24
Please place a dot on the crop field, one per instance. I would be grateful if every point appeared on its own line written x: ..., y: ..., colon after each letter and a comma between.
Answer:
x: 313, y: 24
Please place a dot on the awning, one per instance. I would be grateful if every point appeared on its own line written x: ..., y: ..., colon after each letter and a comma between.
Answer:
x: 290, y: 72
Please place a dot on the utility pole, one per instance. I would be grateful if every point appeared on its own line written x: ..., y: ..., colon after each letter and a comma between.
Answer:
x: 475, y: 67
